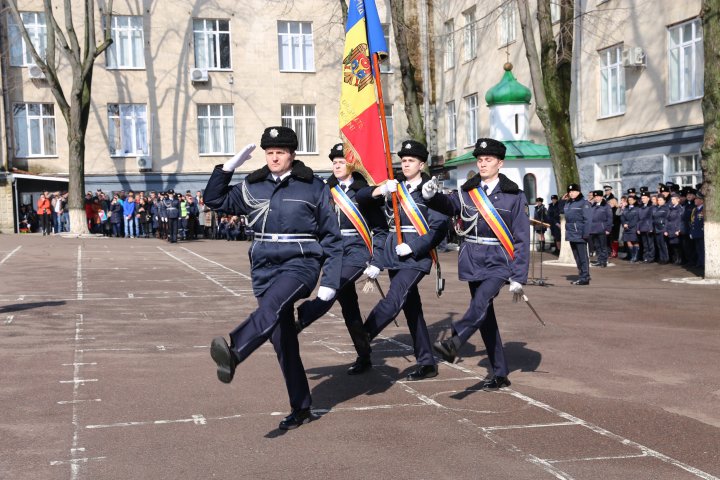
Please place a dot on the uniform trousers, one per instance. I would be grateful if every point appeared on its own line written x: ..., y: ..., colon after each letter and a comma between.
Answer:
x: 172, y: 229
x: 311, y: 310
x: 600, y: 241
x: 274, y: 320
x: 648, y: 245
x: 481, y: 316
x: 403, y: 295
x: 661, y: 248
x: 580, y: 252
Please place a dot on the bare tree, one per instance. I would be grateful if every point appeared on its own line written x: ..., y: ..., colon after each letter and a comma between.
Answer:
x: 711, y: 145
x: 75, y: 105
x: 551, y: 73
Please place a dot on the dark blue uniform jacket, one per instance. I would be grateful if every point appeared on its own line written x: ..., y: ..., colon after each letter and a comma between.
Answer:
x: 630, y: 217
x: 674, y: 221
x: 659, y: 218
x: 171, y: 206
x: 421, y: 245
x: 478, y: 262
x: 578, y: 219
x: 299, y: 204
x: 645, y: 218
x: 355, y: 252
x: 602, y: 218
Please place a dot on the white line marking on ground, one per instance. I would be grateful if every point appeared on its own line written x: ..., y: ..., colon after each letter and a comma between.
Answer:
x: 21, y: 298
x: 218, y: 264
x: 9, y: 319
x: 131, y: 295
x: 74, y: 462
x: 10, y: 254
x: 79, y: 285
x: 591, y: 459
x: 81, y: 381
x: 76, y: 364
x: 69, y: 402
x: 531, y: 425
x: 200, y: 272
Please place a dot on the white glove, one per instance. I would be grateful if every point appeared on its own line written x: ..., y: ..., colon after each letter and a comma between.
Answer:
x: 372, y: 272
x: 389, y: 187
x: 241, y: 157
x: 517, y: 290
x: 403, y: 249
x: 326, y: 294
x: 430, y: 188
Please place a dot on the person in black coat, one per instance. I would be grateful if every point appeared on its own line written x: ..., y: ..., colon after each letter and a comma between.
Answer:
x: 578, y: 220
x: 540, y: 215
x: 170, y: 205
x: 554, y: 221
x: 645, y: 228
x: 674, y: 228
x: 363, y: 243
x: 659, y: 217
x: 629, y: 217
x: 296, y: 236
x: 602, y: 220
x: 409, y: 261
x: 116, y: 216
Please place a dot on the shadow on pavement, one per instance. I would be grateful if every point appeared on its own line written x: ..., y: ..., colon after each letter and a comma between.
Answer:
x: 27, y: 306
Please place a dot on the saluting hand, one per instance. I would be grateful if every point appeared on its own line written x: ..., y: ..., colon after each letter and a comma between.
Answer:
x: 241, y: 157
x: 430, y: 188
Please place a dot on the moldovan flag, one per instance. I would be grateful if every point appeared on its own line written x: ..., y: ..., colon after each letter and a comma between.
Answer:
x: 359, y: 114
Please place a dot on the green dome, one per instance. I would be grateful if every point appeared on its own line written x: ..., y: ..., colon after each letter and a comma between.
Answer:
x: 508, y: 91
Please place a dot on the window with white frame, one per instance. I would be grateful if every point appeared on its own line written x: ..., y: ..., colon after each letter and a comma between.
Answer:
x: 34, y: 129
x: 555, y: 11
x: 685, y: 61
x: 451, y: 123
x: 507, y: 23
x: 216, y: 129
x: 295, y: 47
x: 301, y: 118
x: 34, y: 22
x: 472, y: 123
x: 212, y: 43
x: 469, y: 35
x: 385, y: 66
x: 127, y: 129
x: 449, y: 44
x: 127, y: 50
x: 685, y: 169
x: 612, y: 82
x: 610, y: 174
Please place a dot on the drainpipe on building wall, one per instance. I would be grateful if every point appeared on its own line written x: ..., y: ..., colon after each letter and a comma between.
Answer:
x: 6, y: 106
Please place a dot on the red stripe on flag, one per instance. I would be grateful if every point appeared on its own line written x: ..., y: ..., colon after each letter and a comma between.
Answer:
x: 365, y: 134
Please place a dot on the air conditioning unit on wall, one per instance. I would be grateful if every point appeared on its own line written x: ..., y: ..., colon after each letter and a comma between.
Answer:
x: 35, y: 72
x: 198, y: 75
x: 633, y: 57
x: 144, y: 163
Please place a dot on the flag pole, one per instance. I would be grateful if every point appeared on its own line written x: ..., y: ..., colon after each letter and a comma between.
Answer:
x: 386, y: 140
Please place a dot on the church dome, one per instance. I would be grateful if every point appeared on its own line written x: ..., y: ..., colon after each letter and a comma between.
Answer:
x: 508, y: 91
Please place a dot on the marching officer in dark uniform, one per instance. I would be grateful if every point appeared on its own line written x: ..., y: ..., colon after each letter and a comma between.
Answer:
x: 411, y: 260
x: 645, y: 227
x: 578, y: 220
x: 296, y: 234
x: 659, y: 218
x: 363, y: 231
x: 554, y: 220
x: 602, y: 223
x: 495, y: 251
x: 171, y: 207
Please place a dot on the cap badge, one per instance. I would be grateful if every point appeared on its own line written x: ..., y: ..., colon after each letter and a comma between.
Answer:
x: 274, y: 133
x: 338, y: 148
x: 408, y: 146
x: 483, y: 145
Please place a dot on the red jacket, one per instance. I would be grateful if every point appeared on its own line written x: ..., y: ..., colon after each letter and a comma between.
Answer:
x: 43, y: 206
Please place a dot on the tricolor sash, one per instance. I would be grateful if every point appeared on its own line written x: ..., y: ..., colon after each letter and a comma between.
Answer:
x: 353, y: 214
x: 493, y: 219
x: 421, y: 226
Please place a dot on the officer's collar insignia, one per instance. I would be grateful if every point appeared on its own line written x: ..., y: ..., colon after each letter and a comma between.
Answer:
x: 274, y: 133
x: 483, y: 145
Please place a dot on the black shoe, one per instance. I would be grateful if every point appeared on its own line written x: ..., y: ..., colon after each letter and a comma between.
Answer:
x: 225, y: 359
x: 493, y: 383
x: 423, y: 371
x: 595, y: 264
x: 298, y: 326
x: 602, y: 265
x: 447, y: 349
x: 361, y: 365
x: 296, y: 418
x: 580, y: 282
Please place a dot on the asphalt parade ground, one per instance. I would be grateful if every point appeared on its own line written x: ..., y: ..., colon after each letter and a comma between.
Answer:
x: 105, y: 373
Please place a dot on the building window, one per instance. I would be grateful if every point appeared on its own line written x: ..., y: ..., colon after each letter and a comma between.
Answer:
x: 385, y: 66
x: 685, y: 170
x: 34, y: 129
x: 301, y: 118
x: 611, y: 174
x: 469, y: 35
x: 449, y: 44
x: 555, y: 11
x: 472, y: 124
x: 212, y: 44
x: 295, y: 47
x: 390, y: 123
x: 507, y: 23
x: 612, y: 80
x: 127, y: 49
x: 451, y: 123
x: 34, y: 22
x: 530, y: 188
x: 685, y: 61
x: 216, y: 129
x: 127, y: 129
